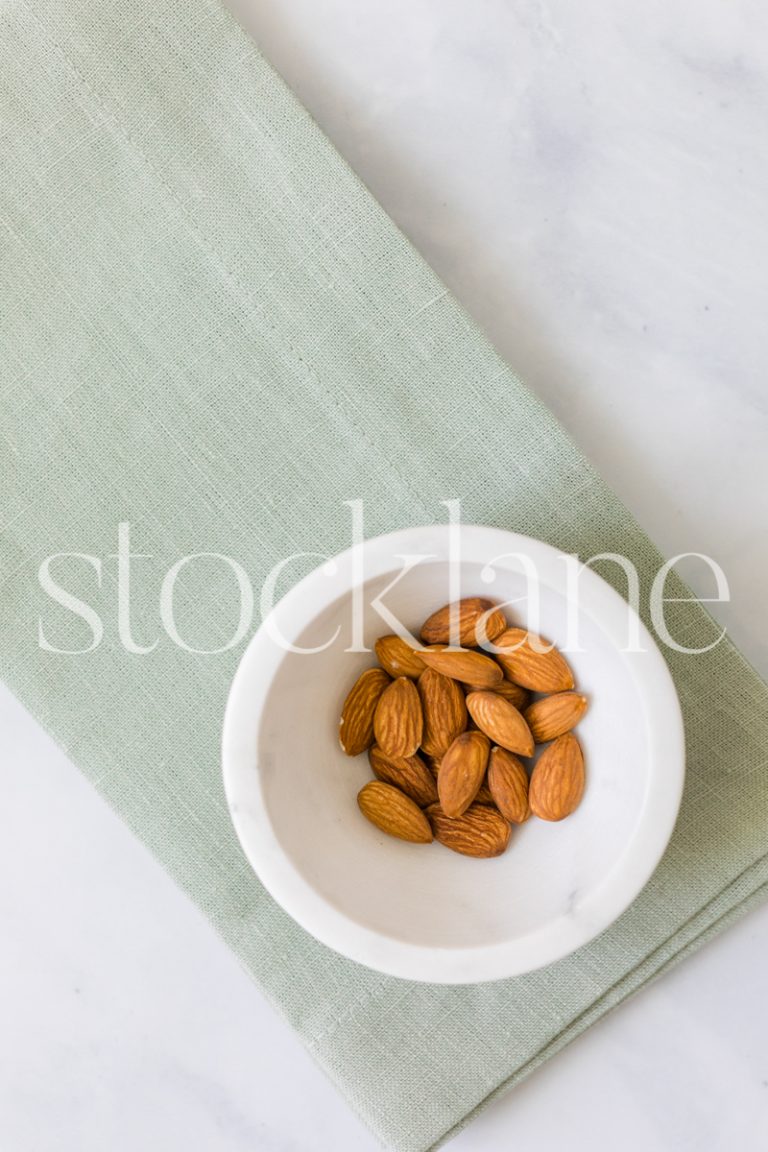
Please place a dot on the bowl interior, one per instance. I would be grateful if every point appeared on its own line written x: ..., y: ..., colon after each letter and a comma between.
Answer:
x: 428, y: 896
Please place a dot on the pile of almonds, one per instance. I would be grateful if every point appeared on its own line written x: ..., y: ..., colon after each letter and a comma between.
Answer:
x: 447, y: 730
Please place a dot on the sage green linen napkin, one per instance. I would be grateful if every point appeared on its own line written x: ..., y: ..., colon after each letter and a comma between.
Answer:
x: 212, y: 331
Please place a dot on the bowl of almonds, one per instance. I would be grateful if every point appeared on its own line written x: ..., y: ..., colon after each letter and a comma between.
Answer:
x: 449, y: 760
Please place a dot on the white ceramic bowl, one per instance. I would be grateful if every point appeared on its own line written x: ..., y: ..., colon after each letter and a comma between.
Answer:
x: 421, y: 911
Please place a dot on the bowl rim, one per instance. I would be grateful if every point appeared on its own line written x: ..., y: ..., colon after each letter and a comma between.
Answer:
x: 397, y: 957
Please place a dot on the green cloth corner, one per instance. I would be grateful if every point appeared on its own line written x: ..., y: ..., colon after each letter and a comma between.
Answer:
x: 211, y: 330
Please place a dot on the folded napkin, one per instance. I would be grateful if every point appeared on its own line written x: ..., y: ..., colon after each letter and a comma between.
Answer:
x: 212, y: 333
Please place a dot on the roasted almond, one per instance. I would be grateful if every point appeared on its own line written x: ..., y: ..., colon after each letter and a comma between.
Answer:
x: 462, y: 771
x: 466, y: 622
x: 524, y: 662
x: 463, y: 664
x: 398, y: 721
x: 557, y: 782
x: 356, y: 724
x: 553, y: 715
x: 516, y: 695
x: 501, y: 722
x: 480, y: 831
x: 508, y: 785
x: 394, y: 812
x: 398, y: 658
x: 408, y: 773
x: 445, y: 713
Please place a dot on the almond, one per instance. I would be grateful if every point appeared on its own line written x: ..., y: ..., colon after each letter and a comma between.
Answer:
x: 484, y: 795
x: 480, y: 832
x: 398, y: 720
x: 356, y: 724
x: 501, y: 722
x: 445, y: 713
x: 516, y: 695
x: 432, y: 762
x: 398, y: 658
x: 463, y: 664
x: 553, y: 715
x: 465, y: 622
x: 408, y: 773
x: 393, y: 812
x: 541, y: 671
x: 462, y: 771
x: 508, y: 785
x: 557, y: 783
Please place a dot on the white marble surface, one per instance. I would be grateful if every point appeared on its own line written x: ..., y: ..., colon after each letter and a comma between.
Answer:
x: 590, y: 179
